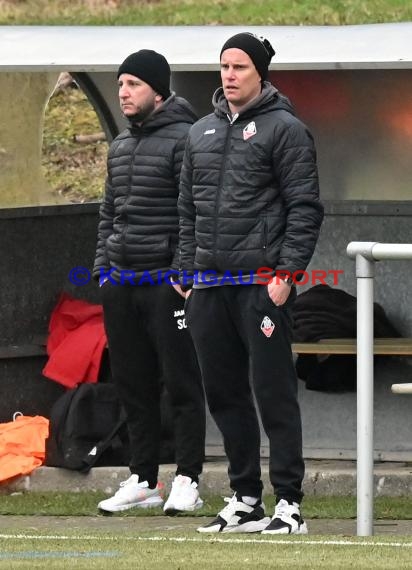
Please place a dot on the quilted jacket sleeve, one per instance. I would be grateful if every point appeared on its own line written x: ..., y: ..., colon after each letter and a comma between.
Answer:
x: 294, y: 160
x: 177, y: 166
x: 187, y: 215
x: 104, y: 230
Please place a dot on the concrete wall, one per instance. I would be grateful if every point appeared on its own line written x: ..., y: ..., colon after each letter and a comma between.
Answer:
x: 38, y: 248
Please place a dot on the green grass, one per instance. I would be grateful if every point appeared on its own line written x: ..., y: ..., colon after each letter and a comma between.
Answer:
x: 65, y: 543
x: 200, y: 12
x: 84, y: 503
x: 75, y: 171
x: 188, y: 550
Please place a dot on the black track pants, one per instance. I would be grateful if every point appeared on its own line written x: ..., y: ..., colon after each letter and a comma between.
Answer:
x: 148, y: 341
x: 237, y: 330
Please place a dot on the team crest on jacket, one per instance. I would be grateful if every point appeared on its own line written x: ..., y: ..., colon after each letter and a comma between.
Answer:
x: 249, y: 130
x: 267, y: 327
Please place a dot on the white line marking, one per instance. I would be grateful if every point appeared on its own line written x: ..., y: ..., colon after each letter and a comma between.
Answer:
x: 39, y: 554
x: 211, y: 539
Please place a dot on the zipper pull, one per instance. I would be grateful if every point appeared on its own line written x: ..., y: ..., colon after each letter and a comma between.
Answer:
x: 233, y: 119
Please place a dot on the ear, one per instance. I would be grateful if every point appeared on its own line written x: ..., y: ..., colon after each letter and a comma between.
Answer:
x: 158, y: 98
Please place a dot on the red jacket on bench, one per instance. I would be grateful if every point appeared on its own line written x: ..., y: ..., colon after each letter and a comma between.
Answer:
x: 76, y: 342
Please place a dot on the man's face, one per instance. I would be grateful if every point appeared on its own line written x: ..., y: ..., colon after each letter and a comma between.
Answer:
x: 240, y: 80
x: 137, y: 98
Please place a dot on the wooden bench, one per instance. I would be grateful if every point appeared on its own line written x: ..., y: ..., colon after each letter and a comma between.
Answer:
x: 35, y: 347
x: 381, y: 346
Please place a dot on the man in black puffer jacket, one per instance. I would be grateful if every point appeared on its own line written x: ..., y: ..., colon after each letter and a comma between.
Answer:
x: 143, y: 312
x: 249, y: 210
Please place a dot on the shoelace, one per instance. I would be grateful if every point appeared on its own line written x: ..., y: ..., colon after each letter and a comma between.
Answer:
x: 181, y: 484
x: 230, y: 509
x: 281, y: 509
x: 179, y: 489
x: 279, y: 512
x: 127, y: 482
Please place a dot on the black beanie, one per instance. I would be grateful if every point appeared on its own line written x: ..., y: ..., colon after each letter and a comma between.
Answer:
x: 151, y: 67
x: 258, y: 49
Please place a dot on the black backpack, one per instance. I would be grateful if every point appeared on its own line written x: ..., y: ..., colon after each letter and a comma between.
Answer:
x: 87, y: 428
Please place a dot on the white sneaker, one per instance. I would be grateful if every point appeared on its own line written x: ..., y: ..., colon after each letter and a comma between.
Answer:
x: 237, y: 516
x: 132, y: 494
x: 184, y: 496
x: 286, y: 520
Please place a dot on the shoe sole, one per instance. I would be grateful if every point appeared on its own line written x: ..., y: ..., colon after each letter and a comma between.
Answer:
x: 148, y: 504
x: 172, y: 510
x: 303, y: 529
x: 249, y: 527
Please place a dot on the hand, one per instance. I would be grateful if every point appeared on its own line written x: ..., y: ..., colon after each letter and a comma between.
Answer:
x: 178, y: 290
x: 279, y: 291
x: 188, y: 293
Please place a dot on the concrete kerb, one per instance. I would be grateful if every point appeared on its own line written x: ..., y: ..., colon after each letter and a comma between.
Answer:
x: 323, y: 478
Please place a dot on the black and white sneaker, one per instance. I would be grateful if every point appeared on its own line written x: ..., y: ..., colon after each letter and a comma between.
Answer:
x: 286, y: 520
x: 237, y: 516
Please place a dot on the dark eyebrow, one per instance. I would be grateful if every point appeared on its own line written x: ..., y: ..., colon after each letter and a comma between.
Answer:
x: 234, y: 64
x: 129, y: 81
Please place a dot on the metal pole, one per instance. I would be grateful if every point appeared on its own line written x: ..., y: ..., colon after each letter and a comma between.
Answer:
x: 381, y: 251
x: 366, y: 253
x: 364, y: 278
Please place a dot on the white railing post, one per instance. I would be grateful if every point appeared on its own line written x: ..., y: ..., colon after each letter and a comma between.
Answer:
x: 365, y: 254
x: 365, y: 270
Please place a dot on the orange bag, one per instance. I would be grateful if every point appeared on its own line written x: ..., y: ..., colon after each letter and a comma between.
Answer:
x: 22, y: 445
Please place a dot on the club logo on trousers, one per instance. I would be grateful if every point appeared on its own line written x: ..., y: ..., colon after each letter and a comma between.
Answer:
x: 249, y: 130
x: 267, y: 327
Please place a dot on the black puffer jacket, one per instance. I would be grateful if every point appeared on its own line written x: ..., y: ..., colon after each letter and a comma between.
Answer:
x: 138, y: 228
x: 249, y: 192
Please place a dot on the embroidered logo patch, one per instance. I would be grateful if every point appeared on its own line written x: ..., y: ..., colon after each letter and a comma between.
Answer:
x: 267, y: 327
x: 249, y: 130
x: 210, y: 132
